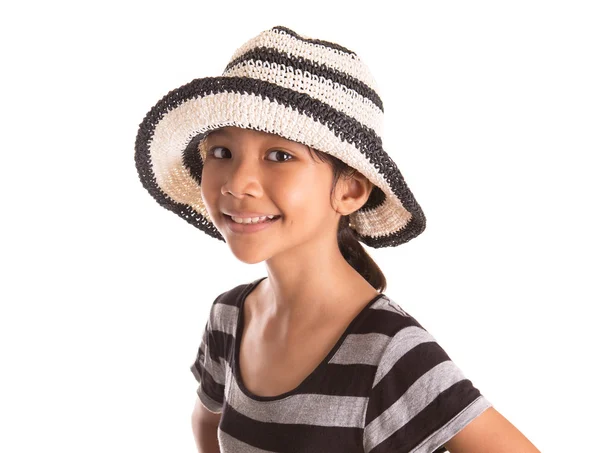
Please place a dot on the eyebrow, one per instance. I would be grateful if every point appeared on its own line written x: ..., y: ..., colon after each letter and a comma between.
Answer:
x: 227, y: 132
x: 220, y: 131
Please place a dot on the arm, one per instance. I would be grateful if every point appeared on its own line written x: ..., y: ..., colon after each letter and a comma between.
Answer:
x: 490, y: 432
x: 204, y: 427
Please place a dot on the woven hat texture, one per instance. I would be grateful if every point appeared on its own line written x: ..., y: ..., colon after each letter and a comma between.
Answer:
x: 307, y: 90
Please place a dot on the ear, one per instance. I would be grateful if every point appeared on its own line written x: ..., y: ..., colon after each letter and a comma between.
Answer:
x: 351, y: 193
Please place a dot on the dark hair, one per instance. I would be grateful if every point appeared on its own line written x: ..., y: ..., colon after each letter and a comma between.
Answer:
x: 351, y: 248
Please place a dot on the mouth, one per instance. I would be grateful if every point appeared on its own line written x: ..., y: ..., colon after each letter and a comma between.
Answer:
x: 264, y: 221
x: 249, y: 227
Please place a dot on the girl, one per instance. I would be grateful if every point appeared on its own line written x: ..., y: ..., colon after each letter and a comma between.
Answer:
x: 281, y: 158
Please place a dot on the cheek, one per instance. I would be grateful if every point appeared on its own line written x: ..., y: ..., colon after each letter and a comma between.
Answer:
x: 301, y: 196
x: 209, y: 192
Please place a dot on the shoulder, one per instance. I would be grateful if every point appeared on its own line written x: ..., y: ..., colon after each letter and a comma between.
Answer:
x: 419, y: 396
x: 231, y: 296
x: 396, y: 338
x: 225, y: 307
x: 389, y: 322
x: 408, y: 348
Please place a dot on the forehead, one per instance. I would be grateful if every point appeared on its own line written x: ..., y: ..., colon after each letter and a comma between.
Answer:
x: 238, y: 132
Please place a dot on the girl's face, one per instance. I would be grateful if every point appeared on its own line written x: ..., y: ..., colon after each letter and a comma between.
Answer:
x: 252, y: 171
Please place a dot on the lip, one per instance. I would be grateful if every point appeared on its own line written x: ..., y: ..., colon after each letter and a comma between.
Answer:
x: 248, y: 227
x: 246, y: 215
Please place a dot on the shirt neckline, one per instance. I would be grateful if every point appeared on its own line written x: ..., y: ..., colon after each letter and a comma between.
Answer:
x: 316, y: 372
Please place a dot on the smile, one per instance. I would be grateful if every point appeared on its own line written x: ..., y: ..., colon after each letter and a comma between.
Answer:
x: 249, y: 227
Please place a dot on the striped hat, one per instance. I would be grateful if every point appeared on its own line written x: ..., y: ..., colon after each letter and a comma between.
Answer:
x: 306, y: 90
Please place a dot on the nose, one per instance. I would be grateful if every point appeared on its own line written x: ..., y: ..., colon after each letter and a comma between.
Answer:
x: 242, y: 176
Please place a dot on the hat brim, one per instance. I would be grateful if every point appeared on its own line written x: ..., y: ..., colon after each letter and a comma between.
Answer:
x: 170, y: 166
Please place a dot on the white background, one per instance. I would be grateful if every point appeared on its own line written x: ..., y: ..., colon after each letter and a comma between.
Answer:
x: 492, y: 114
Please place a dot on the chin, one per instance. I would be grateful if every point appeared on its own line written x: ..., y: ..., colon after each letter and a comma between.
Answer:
x: 248, y: 255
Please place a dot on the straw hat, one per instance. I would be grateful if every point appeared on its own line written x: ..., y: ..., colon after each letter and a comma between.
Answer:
x: 307, y: 90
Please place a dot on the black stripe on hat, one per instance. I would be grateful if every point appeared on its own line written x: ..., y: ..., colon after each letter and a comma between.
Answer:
x: 274, y: 55
x: 331, y: 45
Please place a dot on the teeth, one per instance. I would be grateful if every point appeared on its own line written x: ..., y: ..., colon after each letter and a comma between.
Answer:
x: 251, y: 219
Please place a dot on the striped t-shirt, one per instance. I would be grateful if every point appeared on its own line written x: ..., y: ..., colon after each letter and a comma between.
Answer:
x: 386, y: 386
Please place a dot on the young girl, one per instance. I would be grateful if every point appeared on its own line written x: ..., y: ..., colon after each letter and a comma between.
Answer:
x: 281, y: 158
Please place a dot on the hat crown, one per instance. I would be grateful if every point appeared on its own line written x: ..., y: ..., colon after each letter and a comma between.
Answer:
x: 324, y: 70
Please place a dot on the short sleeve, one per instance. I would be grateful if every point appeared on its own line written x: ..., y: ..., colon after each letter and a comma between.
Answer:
x: 419, y: 399
x: 208, y: 368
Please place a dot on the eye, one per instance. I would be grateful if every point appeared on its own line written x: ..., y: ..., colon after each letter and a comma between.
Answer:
x: 213, y: 152
x: 283, y: 153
